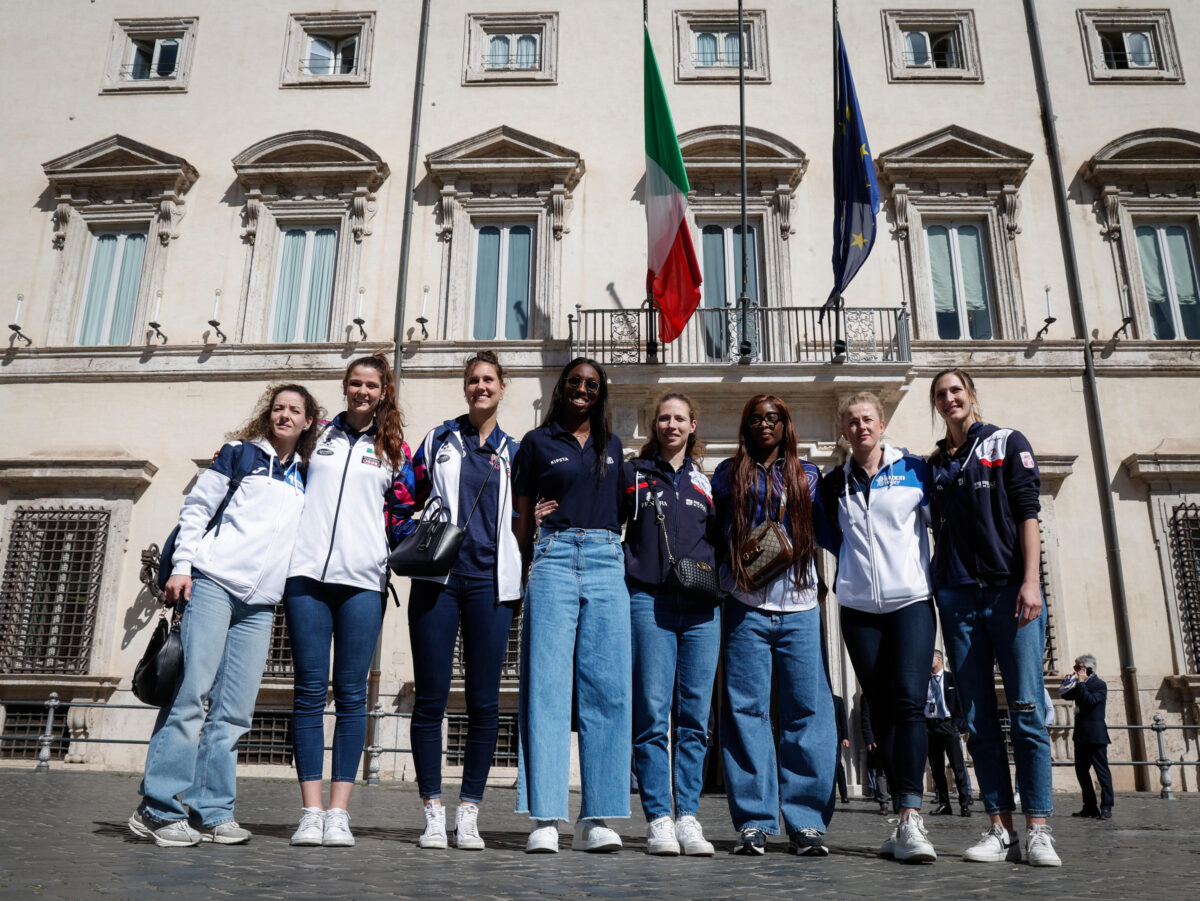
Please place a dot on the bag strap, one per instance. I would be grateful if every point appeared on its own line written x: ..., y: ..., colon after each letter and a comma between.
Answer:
x: 244, y: 467
x: 662, y: 522
x: 479, y: 494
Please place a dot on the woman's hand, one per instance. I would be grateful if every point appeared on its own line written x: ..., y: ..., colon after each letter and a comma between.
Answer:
x: 1029, y: 603
x: 178, y: 587
x: 542, y: 510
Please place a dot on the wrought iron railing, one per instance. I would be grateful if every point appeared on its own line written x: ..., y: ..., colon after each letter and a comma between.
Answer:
x: 748, y: 335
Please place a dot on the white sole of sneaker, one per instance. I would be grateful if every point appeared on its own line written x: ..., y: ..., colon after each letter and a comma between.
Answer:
x: 469, y: 844
x: 918, y: 857
x: 305, y: 843
x: 222, y: 840
x: 432, y: 844
x: 702, y: 852
x: 339, y: 843
x: 541, y: 849
x: 141, y: 830
x: 662, y: 851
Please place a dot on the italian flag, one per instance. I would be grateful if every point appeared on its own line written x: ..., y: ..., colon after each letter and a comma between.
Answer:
x: 673, y: 274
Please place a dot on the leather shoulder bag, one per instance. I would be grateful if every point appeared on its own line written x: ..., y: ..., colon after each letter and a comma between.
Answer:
x: 157, y: 676
x: 768, y: 551
x: 694, y: 583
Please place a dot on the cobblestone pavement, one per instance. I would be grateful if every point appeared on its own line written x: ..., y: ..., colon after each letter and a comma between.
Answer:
x: 63, y: 835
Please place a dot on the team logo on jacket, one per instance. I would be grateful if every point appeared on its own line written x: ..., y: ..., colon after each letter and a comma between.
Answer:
x: 325, y: 451
x: 1027, y: 459
x: 371, y: 461
x: 701, y: 483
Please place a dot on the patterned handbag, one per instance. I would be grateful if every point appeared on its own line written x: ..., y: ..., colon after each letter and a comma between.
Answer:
x: 767, y: 552
x: 694, y: 583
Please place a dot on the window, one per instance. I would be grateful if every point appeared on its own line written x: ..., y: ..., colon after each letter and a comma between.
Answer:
x: 25, y: 723
x: 511, y: 48
x: 279, y: 654
x: 52, y: 576
x: 707, y: 46
x: 503, y: 280
x: 304, y: 284
x: 931, y: 45
x: 511, y: 668
x: 111, y: 289
x: 958, y: 280
x: 721, y: 270
x: 1185, y: 559
x: 456, y: 740
x: 269, y: 740
x: 328, y: 50
x: 149, y: 55
x: 1167, y: 258
x: 1122, y: 45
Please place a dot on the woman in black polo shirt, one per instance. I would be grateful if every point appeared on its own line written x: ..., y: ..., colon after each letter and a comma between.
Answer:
x: 576, y: 621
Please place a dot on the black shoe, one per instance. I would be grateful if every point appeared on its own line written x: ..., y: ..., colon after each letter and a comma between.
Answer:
x: 1106, y: 813
x: 884, y: 810
x: 1089, y: 813
x: 940, y: 810
x: 807, y: 843
x: 845, y: 799
x: 752, y: 841
x: 965, y: 810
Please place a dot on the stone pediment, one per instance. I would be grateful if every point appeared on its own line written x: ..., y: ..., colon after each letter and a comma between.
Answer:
x: 954, y: 153
x: 712, y: 154
x: 506, y: 154
x: 310, y: 156
x: 1156, y: 154
x: 118, y: 161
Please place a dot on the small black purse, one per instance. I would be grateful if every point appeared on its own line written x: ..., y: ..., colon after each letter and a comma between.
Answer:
x: 159, y: 673
x: 695, y: 584
x: 431, y: 550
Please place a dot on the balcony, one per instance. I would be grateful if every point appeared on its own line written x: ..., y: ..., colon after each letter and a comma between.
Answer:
x: 856, y: 335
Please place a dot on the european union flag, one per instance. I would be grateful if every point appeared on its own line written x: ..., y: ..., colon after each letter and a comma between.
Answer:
x: 855, y: 190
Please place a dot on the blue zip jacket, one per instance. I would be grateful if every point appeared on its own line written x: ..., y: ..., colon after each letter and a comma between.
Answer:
x: 981, y: 495
x: 685, y: 496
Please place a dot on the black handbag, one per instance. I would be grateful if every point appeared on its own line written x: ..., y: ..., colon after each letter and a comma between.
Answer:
x: 432, y: 549
x: 159, y: 673
x: 695, y: 584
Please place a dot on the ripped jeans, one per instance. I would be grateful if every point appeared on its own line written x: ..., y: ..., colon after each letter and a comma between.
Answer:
x: 980, y: 627
x: 795, y: 778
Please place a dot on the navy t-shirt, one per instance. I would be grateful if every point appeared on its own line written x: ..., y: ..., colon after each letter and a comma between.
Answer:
x: 551, y: 465
x: 477, y: 556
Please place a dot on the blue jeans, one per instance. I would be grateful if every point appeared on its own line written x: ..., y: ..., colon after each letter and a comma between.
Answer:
x: 674, y: 664
x: 783, y: 650
x: 225, y: 643
x: 576, y: 628
x: 350, y: 618
x: 434, y: 614
x: 891, y: 653
x: 980, y: 627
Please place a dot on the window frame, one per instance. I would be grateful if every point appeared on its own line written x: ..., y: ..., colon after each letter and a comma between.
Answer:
x: 122, y: 47
x: 338, y: 28
x: 310, y: 229
x: 959, y: 23
x: 123, y: 234
x: 502, y: 303
x: 481, y: 28
x: 690, y: 24
x: 1095, y: 23
x: 952, y: 226
x: 1190, y: 226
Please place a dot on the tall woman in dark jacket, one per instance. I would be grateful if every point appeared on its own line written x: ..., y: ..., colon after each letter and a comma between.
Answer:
x: 985, y: 571
x: 676, y: 639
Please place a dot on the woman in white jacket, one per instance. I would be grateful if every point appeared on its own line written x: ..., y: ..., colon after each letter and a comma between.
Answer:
x: 877, y: 514
x: 231, y: 577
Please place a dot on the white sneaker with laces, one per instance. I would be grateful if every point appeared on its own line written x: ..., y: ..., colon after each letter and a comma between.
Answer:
x: 543, y: 838
x: 594, y: 836
x: 1039, y: 847
x: 660, y: 838
x: 690, y: 836
x: 888, y: 848
x: 434, y: 835
x: 912, y: 841
x: 337, y: 829
x: 466, y: 827
x: 997, y: 844
x: 175, y: 834
x: 312, y: 827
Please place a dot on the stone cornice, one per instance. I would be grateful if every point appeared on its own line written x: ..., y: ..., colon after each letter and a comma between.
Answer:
x: 123, y: 474
x: 1164, y: 470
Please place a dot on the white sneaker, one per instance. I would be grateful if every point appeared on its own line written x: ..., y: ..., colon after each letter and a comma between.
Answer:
x: 888, y: 848
x: 691, y: 838
x: 175, y: 834
x: 312, y: 827
x: 543, y: 838
x: 594, y: 836
x: 434, y: 835
x: 337, y: 829
x: 1039, y: 847
x: 912, y: 841
x: 466, y: 827
x: 660, y: 836
x: 997, y: 844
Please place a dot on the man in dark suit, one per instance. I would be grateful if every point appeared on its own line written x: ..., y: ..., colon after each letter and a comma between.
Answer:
x: 876, y: 777
x: 945, y: 722
x: 839, y: 714
x: 1090, y: 694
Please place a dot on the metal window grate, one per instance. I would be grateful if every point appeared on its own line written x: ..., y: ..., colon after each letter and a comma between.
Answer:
x: 1050, y: 655
x: 512, y: 653
x: 1185, y: 558
x: 456, y: 740
x: 269, y: 741
x: 24, y: 725
x: 279, y: 657
x: 51, y: 584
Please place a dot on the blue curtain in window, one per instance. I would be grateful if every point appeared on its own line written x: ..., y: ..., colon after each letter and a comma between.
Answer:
x: 498, y: 51
x: 733, y: 53
x: 975, y: 296
x: 287, y: 294
x: 527, y: 52
x: 712, y: 248
x: 92, y: 326
x: 1141, y: 50
x: 706, y: 49
x: 917, y: 46
x: 747, y: 320
x: 1183, y: 267
x: 487, y: 282
x: 520, y: 248
x: 941, y: 279
x: 1155, y: 282
x: 320, y: 286
x: 120, y: 330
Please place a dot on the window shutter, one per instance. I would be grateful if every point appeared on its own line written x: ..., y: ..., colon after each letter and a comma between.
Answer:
x: 320, y: 57
x: 168, y: 55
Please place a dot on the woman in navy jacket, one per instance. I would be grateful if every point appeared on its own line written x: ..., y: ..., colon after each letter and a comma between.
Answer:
x: 986, y: 574
x: 676, y: 640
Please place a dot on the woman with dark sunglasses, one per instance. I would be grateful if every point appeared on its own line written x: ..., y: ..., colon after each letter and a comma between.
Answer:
x: 576, y: 620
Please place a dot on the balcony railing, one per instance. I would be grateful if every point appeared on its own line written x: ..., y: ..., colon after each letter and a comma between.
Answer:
x: 753, y: 335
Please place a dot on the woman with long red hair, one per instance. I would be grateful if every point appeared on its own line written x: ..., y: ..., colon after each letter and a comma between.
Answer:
x: 765, y: 497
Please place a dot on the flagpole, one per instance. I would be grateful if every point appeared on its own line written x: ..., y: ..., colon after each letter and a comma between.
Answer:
x: 651, y: 306
x: 839, y: 346
x: 744, y: 346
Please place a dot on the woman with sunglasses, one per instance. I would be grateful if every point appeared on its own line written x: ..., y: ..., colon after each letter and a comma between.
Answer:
x: 463, y: 467
x: 576, y: 619
x: 772, y: 632
x: 987, y: 553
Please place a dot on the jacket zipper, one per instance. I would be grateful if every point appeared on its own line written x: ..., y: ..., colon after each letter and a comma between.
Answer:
x: 338, y: 509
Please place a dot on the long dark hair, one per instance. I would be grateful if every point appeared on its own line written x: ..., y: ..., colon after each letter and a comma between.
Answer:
x: 389, y: 442
x: 259, y: 424
x: 743, y: 482
x: 652, y: 448
x: 599, y: 418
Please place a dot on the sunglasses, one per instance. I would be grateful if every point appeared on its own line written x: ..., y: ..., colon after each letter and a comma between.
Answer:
x: 772, y: 419
x: 1078, y: 667
x: 576, y: 381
